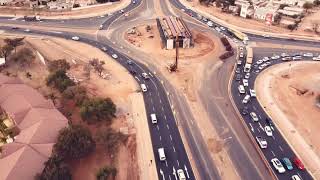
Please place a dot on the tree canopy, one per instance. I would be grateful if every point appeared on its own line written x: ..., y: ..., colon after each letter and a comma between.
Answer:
x: 60, y: 64
x: 59, y: 80
x: 74, y: 142
x: 105, y: 172
x: 98, y: 109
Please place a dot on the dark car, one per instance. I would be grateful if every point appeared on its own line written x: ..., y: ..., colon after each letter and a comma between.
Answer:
x: 244, y: 110
x: 270, y: 123
x: 133, y: 72
x: 298, y: 163
x: 238, y: 77
x: 287, y: 163
x: 129, y: 62
x: 238, y: 70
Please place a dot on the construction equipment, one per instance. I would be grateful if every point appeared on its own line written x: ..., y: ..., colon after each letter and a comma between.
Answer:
x: 173, y: 67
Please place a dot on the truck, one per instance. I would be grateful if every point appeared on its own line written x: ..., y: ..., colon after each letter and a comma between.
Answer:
x: 247, y: 66
x: 32, y: 18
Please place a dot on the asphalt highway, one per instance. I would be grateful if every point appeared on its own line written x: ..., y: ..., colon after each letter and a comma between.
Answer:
x: 277, y: 146
x: 165, y: 133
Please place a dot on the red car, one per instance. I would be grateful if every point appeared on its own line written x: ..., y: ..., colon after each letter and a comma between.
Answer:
x: 298, y: 163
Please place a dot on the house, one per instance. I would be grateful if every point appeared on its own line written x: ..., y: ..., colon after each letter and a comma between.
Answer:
x: 38, y: 121
x: 262, y: 13
x: 246, y: 11
x: 286, y: 21
x: 2, y: 62
x: 5, y: 2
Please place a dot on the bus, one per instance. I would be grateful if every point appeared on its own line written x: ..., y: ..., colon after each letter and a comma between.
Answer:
x: 247, y: 66
x: 243, y: 37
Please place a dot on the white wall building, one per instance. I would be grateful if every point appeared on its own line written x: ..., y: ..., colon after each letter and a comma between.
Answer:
x: 4, y: 2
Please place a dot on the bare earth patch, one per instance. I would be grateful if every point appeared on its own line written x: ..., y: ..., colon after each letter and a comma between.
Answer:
x: 289, y: 91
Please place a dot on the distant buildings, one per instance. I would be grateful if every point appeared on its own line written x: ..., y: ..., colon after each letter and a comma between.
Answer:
x: 4, y: 2
x: 172, y: 28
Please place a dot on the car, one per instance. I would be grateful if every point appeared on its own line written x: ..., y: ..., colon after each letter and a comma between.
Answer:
x: 257, y: 71
x: 129, y: 62
x: 143, y: 87
x: 265, y: 59
x: 286, y: 58
x: 247, y: 75
x: 162, y: 155
x: 284, y: 54
x: 275, y: 57
x: 265, y: 35
x: 181, y: 175
x: 308, y: 54
x: 267, y: 63
x: 204, y: 19
x: 14, y: 27
x: 268, y: 130
x: 246, y: 99
x: 244, y: 110
x: 298, y: 163
x: 238, y: 77
x: 262, y: 142
x: 222, y: 28
x: 241, y: 55
x: 121, y: 11
x: 104, y: 49
x: 183, y: 10
x: 252, y: 93
x: 287, y: 163
x: 254, y: 117
x: 260, y: 61
x: 277, y: 165
x: 114, y: 56
x: 238, y: 70
x: 210, y: 23
x: 133, y: 2
x: 145, y: 76
x: 133, y: 72
x: 100, y: 27
x: 217, y: 29
x: 270, y: 123
x: 316, y: 58
x: 295, y: 177
x: 75, y: 38
x: 153, y: 118
x: 241, y: 89
x: 297, y: 54
x: 261, y: 67
x: 27, y: 30
x: 245, y: 82
x: 239, y: 62
x: 241, y: 48
x: 297, y: 58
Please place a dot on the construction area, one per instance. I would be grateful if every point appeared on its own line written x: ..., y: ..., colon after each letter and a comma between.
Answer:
x: 174, y: 32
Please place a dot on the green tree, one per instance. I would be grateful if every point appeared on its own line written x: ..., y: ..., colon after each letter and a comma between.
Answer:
x: 24, y: 56
x: 105, y: 172
x: 60, y: 64
x: 77, y: 93
x: 98, y: 109
x: 59, y: 80
x: 74, y: 142
x: 307, y: 6
x: 6, y: 50
x: 55, y: 169
x: 111, y: 139
x: 14, y: 42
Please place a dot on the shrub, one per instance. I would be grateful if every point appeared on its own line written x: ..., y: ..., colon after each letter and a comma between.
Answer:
x: 24, y: 56
x: 77, y: 93
x: 74, y: 142
x: 111, y: 139
x: 59, y: 80
x: 105, y: 172
x: 60, y: 64
x: 98, y: 109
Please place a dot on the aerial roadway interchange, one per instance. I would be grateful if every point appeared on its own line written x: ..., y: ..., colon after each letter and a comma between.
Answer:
x: 157, y: 100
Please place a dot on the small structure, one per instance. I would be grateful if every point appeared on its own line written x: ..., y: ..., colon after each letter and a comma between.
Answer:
x: 172, y: 29
x: 2, y: 62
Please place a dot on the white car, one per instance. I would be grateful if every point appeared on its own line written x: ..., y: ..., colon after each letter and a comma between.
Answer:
x: 262, y: 142
x: 241, y: 48
x: 247, y: 75
x: 75, y: 38
x: 254, y: 116
x: 295, y: 177
x: 297, y: 58
x: 268, y: 130
x: 210, y: 23
x: 181, y: 175
x: 245, y: 82
x: 27, y: 30
x: 241, y: 55
x: 275, y: 57
x: 252, y: 93
x: 239, y: 62
x: 241, y: 89
x: 121, y: 11
x: 114, y: 56
x: 217, y: 29
x: 266, y: 59
x: 145, y: 76
x: 246, y: 99
x: 316, y: 58
x: 104, y: 49
x: 308, y: 55
x: 222, y: 28
x: 260, y: 61
x: 277, y: 165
